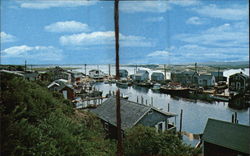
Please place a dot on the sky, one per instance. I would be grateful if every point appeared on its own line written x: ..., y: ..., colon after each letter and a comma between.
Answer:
x: 151, y: 32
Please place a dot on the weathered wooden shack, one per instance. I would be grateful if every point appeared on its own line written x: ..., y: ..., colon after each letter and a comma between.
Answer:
x: 219, y: 76
x: 157, y: 76
x: 123, y: 73
x: 238, y: 82
x: 132, y: 114
x: 206, y: 80
x: 141, y: 75
x: 223, y: 138
x: 185, y: 78
x: 96, y: 74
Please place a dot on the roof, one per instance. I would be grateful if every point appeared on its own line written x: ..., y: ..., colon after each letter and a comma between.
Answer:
x: 157, y: 74
x: 217, y: 73
x: 141, y: 71
x: 131, y: 112
x: 205, y: 76
x: 227, y: 134
x: 240, y: 74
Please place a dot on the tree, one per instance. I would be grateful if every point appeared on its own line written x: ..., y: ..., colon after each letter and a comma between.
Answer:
x: 142, y: 140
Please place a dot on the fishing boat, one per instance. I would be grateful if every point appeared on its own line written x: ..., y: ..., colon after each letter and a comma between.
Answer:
x: 123, y: 83
x: 156, y: 87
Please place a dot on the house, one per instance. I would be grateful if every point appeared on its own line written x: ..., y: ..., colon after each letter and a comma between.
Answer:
x: 238, y: 82
x: 96, y: 74
x: 123, y: 73
x: 219, y: 76
x: 32, y: 76
x: 185, y: 78
x: 221, y: 138
x: 141, y: 75
x: 132, y: 114
x: 67, y: 91
x: 206, y: 80
x: 55, y: 74
x: 157, y: 76
x: 57, y: 84
x: 76, y: 76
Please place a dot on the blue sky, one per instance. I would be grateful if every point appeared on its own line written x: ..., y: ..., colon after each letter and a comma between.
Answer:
x: 151, y: 32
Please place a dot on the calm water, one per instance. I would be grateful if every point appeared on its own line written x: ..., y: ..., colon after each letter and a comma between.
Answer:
x: 195, y: 113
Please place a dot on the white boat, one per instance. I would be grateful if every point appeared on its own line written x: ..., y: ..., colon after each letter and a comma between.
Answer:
x: 156, y: 87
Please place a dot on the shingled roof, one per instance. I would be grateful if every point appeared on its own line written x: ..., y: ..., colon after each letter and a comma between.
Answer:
x: 227, y: 134
x: 131, y: 112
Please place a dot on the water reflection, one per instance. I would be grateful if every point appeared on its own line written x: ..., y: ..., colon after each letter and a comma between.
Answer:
x: 140, y: 89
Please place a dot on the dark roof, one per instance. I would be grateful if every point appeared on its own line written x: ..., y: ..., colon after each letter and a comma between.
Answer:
x: 157, y: 74
x: 227, y: 134
x: 131, y: 112
x: 240, y: 74
x: 202, y: 76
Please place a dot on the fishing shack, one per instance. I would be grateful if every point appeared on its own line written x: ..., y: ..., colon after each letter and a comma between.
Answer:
x: 132, y: 114
x: 221, y: 138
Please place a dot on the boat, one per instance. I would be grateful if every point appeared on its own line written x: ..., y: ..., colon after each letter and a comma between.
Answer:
x: 123, y: 83
x: 156, y: 87
x: 219, y: 98
x: 175, y: 91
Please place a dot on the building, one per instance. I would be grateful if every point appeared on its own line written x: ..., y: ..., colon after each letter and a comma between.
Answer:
x: 157, y: 76
x: 67, y: 91
x: 55, y: 74
x: 132, y: 114
x: 221, y: 138
x: 76, y: 76
x: 206, y: 80
x: 123, y: 73
x: 96, y: 74
x: 185, y: 78
x: 141, y: 75
x: 219, y: 76
x: 31, y: 76
x: 238, y: 82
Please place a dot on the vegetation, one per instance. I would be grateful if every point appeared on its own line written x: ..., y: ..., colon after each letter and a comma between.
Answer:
x: 35, y: 121
x: 142, y: 140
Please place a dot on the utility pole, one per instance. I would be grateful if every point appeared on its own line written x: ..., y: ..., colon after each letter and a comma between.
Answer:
x: 85, y: 67
x: 118, y: 109
x: 25, y: 65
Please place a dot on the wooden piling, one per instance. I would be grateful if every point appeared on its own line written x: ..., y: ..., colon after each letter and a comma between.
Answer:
x: 168, y: 108
x: 181, y: 120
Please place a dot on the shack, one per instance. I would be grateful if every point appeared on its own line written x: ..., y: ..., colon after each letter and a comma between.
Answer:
x: 219, y: 76
x: 132, y: 114
x: 157, y: 76
x: 206, y: 80
x: 141, y: 75
x: 96, y: 74
x: 185, y: 78
x: 123, y: 73
x: 223, y: 138
x: 238, y: 82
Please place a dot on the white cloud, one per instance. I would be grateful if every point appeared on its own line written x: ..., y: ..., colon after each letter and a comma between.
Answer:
x: 103, y: 38
x: 154, y: 19
x: 46, y: 4
x: 144, y: 6
x: 159, y: 54
x: 238, y: 12
x: 45, y: 53
x: 184, y: 2
x: 7, y: 37
x: 226, y: 35
x: 195, y: 21
x: 67, y: 26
